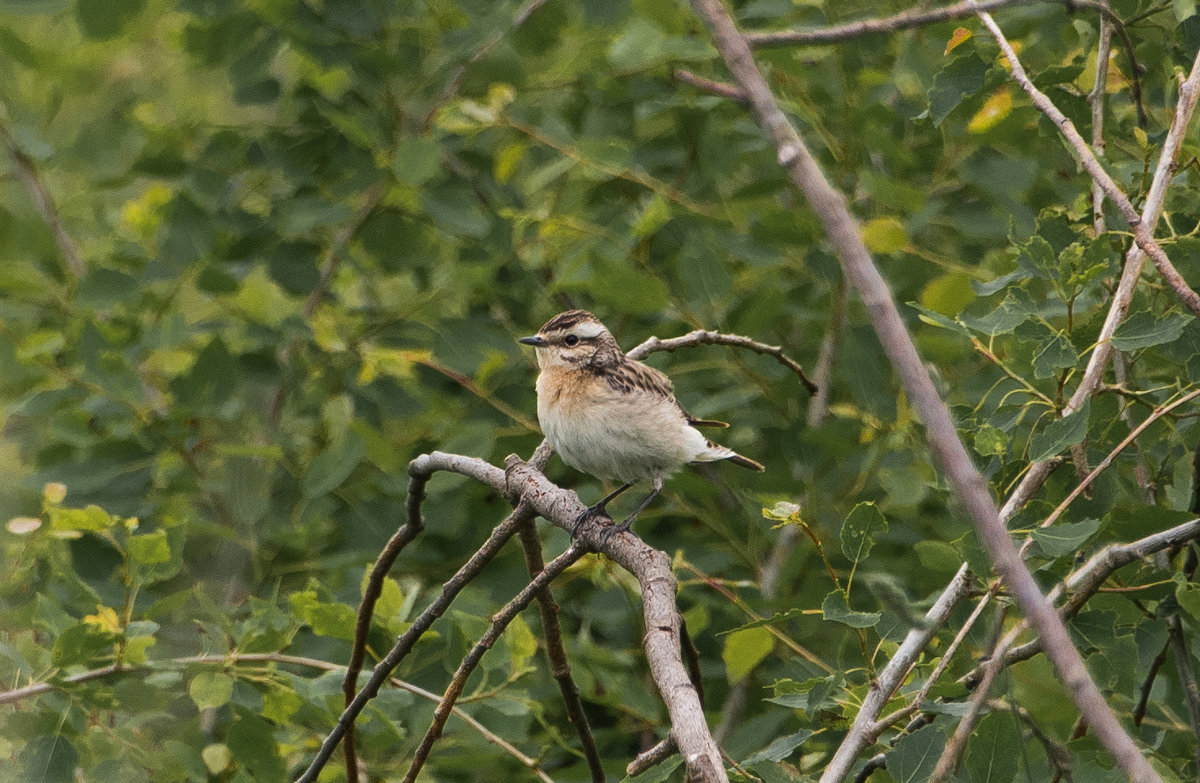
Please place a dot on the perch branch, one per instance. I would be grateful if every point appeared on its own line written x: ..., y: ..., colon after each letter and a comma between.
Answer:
x: 949, y: 452
x: 948, y: 762
x: 720, y: 89
x: 423, y: 467
x: 499, y: 622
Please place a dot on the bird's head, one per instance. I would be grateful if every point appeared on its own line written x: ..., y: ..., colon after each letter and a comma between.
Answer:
x: 574, y: 339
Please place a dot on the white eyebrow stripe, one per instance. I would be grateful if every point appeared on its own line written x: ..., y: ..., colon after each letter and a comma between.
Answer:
x: 589, y: 329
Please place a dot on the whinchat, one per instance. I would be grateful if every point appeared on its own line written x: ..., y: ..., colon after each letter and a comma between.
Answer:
x: 611, y: 416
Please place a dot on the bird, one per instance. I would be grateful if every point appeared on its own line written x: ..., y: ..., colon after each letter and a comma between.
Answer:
x: 613, y: 417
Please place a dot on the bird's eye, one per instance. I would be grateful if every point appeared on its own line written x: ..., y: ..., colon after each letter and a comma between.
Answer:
x: 571, y: 340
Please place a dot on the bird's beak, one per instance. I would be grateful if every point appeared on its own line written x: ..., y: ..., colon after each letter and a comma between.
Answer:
x: 535, y: 340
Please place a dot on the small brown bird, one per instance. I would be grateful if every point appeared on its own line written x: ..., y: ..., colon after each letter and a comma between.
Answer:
x: 611, y: 416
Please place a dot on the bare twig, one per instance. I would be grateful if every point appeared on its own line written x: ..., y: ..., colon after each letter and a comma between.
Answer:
x: 484, y: 555
x: 904, y: 20
x: 957, y: 744
x: 235, y: 659
x: 42, y: 201
x: 1178, y: 642
x: 949, y: 452
x: 560, y: 667
x: 720, y: 89
x: 1108, y: 458
x: 661, y: 751
x: 865, y: 730
x: 706, y: 337
x: 1082, y: 583
x: 1142, y: 231
x: 366, y: 608
x: 1130, y: 274
x: 1096, y: 98
x: 500, y: 621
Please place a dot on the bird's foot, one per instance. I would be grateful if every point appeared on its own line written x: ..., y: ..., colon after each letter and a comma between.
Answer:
x: 609, y: 531
x: 591, y: 512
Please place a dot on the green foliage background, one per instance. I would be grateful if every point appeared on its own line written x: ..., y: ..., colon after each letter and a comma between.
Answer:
x: 311, y: 233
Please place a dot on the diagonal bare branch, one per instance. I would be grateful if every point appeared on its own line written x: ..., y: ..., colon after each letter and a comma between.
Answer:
x: 949, y: 452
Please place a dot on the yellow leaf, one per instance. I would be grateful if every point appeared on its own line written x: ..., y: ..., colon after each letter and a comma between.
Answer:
x: 884, y: 235
x: 960, y: 35
x: 744, y: 650
x: 989, y: 116
x: 105, y: 618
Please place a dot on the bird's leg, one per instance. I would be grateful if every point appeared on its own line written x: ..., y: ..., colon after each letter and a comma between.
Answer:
x: 597, y: 510
x: 609, y: 532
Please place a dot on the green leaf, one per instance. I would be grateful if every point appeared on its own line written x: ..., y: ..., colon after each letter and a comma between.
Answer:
x: 333, y: 466
x: 780, y: 749
x: 938, y: 556
x: 82, y: 644
x: 961, y: 77
x: 93, y: 519
x: 859, y: 530
x: 150, y: 548
x: 1188, y: 595
x: 1007, y: 316
x: 835, y: 609
x: 884, y: 235
x: 105, y: 19
x: 990, y: 756
x: 1143, y: 330
x: 990, y: 441
x: 915, y: 755
x: 948, y: 294
x: 1064, y: 539
x: 1053, y: 355
x: 744, y: 650
x: 1060, y: 434
x: 210, y: 689
x: 416, y: 160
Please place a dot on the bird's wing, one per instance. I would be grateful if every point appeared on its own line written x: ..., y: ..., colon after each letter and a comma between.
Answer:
x: 630, y: 374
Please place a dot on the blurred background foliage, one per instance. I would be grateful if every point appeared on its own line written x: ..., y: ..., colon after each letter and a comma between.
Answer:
x: 297, y: 241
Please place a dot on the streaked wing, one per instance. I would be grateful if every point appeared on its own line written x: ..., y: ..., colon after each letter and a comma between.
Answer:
x: 630, y: 375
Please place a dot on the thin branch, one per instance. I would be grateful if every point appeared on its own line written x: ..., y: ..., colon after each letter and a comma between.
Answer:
x: 500, y: 621
x: 656, y: 755
x: 720, y: 89
x: 865, y: 730
x: 42, y: 201
x: 950, y: 454
x: 905, y: 20
x: 413, y: 525
x: 1108, y: 458
x: 1096, y: 99
x: 1142, y: 232
x: 1130, y: 274
x: 1178, y: 642
x: 556, y: 652
x: 706, y: 337
x: 235, y: 659
x: 1085, y: 581
x: 450, y: 590
x: 957, y: 744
